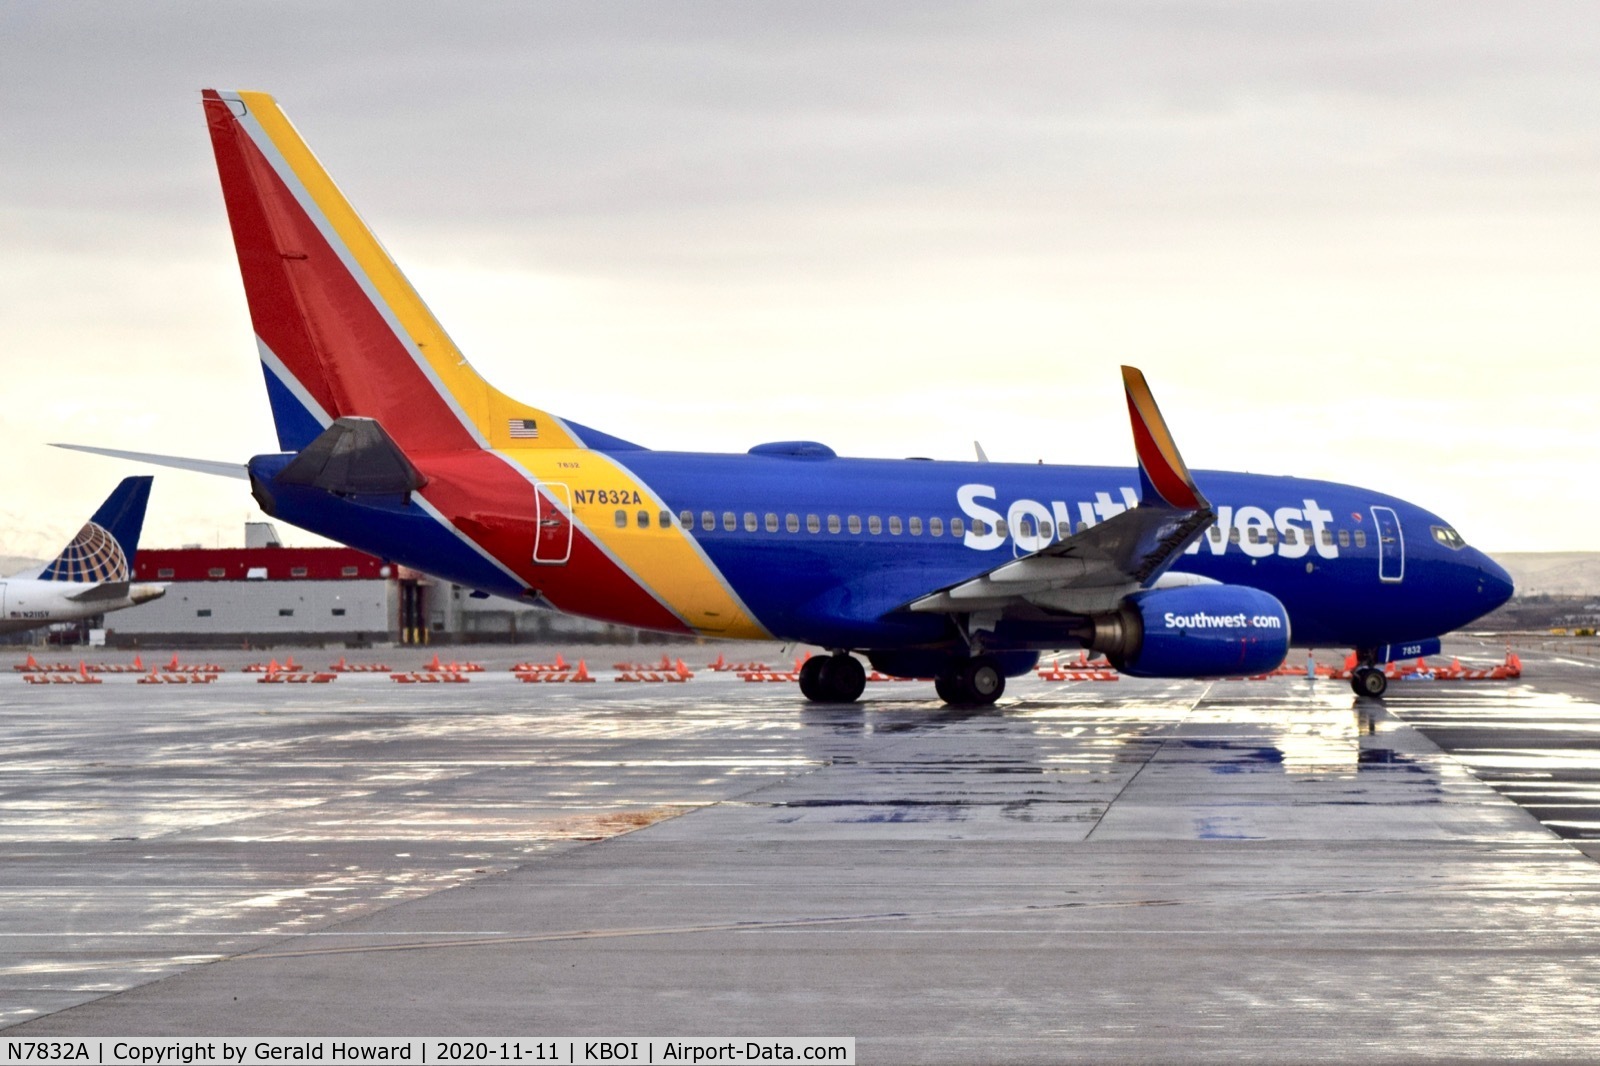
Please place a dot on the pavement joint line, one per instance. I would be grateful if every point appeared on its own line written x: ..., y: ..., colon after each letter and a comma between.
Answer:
x: 457, y: 941
x: 1167, y: 732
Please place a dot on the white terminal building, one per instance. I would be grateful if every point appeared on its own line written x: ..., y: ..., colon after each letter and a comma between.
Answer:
x: 265, y: 594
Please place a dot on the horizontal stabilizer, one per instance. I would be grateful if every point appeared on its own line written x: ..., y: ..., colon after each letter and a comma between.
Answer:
x: 353, y: 457
x: 178, y: 462
x: 107, y: 590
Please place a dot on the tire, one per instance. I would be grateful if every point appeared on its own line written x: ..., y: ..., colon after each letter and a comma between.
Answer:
x: 843, y: 678
x: 982, y: 682
x: 972, y: 683
x: 1370, y: 682
x: 811, y: 681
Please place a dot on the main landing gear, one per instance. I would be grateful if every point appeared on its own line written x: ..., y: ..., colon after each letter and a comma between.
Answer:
x: 840, y: 678
x: 974, y: 682
x: 836, y: 678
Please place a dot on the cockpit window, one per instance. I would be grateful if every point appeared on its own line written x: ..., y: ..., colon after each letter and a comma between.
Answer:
x: 1448, y: 537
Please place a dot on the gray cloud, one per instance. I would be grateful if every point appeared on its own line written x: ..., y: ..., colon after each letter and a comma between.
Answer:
x: 851, y: 185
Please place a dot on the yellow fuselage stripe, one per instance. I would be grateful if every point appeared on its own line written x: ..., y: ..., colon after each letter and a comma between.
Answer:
x: 666, y: 561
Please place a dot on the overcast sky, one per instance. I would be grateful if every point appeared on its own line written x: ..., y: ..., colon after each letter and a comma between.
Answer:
x: 1358, y: 241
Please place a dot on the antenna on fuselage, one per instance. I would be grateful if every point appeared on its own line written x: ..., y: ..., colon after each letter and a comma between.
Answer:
x: 982, y: 456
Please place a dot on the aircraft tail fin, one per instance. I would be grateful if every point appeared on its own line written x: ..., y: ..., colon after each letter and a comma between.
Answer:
x: 340, y: 330
x: 104, y: 548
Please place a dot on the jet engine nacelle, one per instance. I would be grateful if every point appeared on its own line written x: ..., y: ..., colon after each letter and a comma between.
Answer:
x: 1195, y: 631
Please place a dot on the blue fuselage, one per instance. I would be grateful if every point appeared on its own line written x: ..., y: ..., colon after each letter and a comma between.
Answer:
x: 831, y: 551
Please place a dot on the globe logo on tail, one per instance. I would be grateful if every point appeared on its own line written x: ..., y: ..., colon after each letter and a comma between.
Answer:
x: 94, y: 556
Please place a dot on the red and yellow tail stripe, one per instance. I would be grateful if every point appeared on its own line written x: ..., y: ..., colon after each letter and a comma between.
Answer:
x: 372, y: 341
x: 1163, y: 467
x: 343, y: 332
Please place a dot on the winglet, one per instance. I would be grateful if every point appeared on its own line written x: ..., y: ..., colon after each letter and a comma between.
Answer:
x: 1162, y: 471
x: 103, y: 550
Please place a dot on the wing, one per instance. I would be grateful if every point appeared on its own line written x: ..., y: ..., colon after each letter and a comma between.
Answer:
x: 1093, y: 569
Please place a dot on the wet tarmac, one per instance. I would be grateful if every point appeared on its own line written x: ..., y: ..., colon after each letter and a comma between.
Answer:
x: 1161, y: 871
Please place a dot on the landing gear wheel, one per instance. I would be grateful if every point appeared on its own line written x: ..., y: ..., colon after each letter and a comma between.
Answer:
x: 811, y: 686
x: 982, y: 682
x: 1369, y: 681
x: 843, y: 678
x: 832, y: 679
x: 974, y: 682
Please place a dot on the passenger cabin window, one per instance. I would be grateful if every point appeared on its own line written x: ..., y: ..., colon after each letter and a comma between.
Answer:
x: 1000, y: 527
x: 772, y: 523
x: 935, y: 527
x: 750, y: 522
x: 730, y: 521
x: 1046, y: 529
x: 1025, y: 527
x: 980, y: 528
x: 958, y: 528
x: 791, y: 522
x: 1291, y: 536
x: 1215, y: 533
x: 813, y: 524
x: 833, y: 523
x: 915, y: 524
x: 708, y: 521
x: 622, y: 519
x: 1233, y: 535
x: 1344, y: 538
x: 874, y: 524
x: 855, y: 523
x: 1272, y: 536
x: 894, y: 525
x: 1253, y: 535
x: 644, y: 519
x: 1327, y: 538
x: 687, y: 518
x: 1361, y: 538
x: 665, y: 519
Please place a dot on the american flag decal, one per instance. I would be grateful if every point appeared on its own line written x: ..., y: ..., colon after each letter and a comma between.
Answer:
x: 524, y: 429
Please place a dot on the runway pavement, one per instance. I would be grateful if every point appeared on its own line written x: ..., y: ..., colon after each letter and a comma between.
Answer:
x: 1091, y: 871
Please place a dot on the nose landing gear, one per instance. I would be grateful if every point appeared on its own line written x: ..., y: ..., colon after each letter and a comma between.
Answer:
x: 1368, y: 679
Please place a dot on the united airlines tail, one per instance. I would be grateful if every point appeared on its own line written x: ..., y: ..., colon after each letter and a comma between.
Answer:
x: 340, y: 330
x: 103, y: 550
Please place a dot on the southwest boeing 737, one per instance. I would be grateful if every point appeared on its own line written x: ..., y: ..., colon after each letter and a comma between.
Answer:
x: 961, y: 572
x: 91, y: 575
